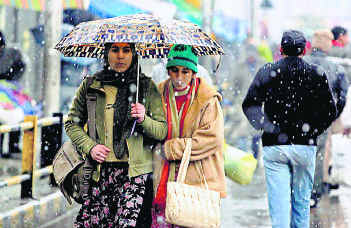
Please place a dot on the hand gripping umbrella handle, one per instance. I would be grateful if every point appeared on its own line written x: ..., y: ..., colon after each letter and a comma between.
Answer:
x: 137, y: 85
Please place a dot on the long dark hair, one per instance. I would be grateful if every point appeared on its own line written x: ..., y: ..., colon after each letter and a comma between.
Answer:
x: 107, y: 64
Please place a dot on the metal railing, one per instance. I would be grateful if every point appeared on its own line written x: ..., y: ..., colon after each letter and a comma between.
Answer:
x: 50, y: 141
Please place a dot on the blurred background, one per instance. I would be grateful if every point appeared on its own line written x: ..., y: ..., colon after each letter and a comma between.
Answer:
x: 43, y: 81
x: 249, y: 30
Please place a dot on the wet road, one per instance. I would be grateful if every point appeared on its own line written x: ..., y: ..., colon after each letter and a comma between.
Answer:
x: 246, y: 207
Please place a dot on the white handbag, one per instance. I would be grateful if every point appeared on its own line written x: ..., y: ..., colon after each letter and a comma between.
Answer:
x: 191, y: 206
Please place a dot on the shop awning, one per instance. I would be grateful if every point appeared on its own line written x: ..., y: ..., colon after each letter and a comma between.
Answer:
x: 115, y: 8
x: 40, y: 5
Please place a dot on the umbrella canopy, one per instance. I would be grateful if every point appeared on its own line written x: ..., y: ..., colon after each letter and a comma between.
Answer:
x: 12, y: 96
x: 153, y: 36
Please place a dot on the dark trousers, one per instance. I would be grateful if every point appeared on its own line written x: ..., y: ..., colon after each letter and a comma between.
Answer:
x: 14, y: 138
x: 145, y: 218
x: 319, y: 171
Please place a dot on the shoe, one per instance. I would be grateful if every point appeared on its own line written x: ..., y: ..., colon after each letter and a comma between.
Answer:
x: 313, y: 203
x: 7, y: 155
x: 334, y: 186
x: 326, y: 188
x: 314, y: 200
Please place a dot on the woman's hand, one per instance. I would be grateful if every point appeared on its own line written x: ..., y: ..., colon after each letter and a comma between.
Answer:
x: 99, y: 153
x: 138, y: 111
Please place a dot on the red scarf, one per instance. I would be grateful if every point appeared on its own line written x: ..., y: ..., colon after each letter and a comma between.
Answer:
x: 160, y: 199
x: 337, y: 43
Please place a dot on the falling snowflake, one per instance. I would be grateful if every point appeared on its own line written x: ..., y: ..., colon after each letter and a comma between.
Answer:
x: 132, y: 88
x: 306, y: 127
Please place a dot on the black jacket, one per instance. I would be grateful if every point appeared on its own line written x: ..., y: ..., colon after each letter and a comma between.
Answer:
x: 336, y: 77
x: 11, y: 64
x: 291, y: 101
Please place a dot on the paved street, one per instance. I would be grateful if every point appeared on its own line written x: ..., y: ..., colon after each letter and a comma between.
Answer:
x: 244, y: 207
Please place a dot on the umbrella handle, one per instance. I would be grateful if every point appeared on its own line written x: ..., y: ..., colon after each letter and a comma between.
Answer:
x: 219, y: 62
x: 133, y: 128
x: 137, y: 85
x: 137, y: 95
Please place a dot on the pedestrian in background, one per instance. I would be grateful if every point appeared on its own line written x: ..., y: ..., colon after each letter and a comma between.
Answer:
x: 12, y: 68
x: 341, y: 47
x: 321, y: 44
x: 291, y: 102
x: 121, y: 189
x: 340, y: 42
x: 238, y: 131
x: 193, y: 111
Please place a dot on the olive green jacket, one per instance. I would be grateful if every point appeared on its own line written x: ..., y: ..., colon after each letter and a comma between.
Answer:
x: 140, y: 145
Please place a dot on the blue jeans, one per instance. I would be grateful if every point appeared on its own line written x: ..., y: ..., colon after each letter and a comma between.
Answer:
x: 289, y: 171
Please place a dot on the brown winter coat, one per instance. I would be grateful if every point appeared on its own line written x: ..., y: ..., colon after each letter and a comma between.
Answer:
x: 204, y: 124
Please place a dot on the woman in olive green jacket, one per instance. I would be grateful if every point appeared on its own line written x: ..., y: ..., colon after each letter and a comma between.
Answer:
x: 121, y: 192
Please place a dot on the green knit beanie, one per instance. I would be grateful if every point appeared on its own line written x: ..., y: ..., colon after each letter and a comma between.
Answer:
x: 182, y: 55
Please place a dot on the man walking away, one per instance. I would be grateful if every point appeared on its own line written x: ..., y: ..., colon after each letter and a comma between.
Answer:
x: 321, y: 45
x: 291, y: 102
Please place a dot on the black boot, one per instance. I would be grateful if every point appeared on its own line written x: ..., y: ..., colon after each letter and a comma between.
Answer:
x: 315, y: 198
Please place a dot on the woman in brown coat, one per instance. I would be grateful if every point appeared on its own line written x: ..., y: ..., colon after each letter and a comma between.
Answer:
x: 193, y: 111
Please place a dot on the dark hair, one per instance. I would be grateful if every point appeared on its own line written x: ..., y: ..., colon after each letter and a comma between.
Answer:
x: 338, y: 31
x: 107, y: 49
x: 2, y: 40
x: 293, y: 43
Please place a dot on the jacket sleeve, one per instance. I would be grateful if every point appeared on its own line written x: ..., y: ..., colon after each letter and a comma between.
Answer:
x: 77, y: 118
x: 341, y: 89
x: 154, y: 124
x: 326, y: 105
x: 17, y: 69
x: 252, y: 104
x: 207, y: 139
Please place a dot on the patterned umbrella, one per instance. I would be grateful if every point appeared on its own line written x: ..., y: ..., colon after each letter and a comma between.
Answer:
x: 153, y: 36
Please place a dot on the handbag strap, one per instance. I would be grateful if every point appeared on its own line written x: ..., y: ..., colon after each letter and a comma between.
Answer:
x: 201, y: 171
x: 185, y: 164
x: 91, y: 107
x: 185, y: 161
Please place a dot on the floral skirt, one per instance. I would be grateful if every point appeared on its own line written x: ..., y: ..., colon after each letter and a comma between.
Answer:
x: 117, y: 200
